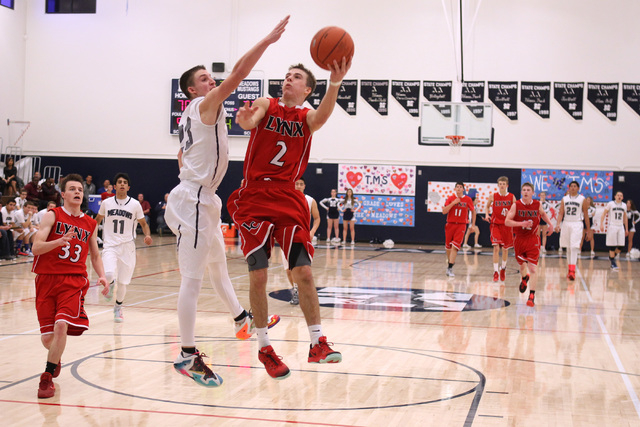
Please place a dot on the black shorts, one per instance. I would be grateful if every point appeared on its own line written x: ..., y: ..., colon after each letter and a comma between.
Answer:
x: 333, y: 213
x: 347, y: 215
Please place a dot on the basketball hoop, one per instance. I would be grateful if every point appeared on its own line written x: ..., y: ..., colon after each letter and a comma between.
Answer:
x: 455, y: 142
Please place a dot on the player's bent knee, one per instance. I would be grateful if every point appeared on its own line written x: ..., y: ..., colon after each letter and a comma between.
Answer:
x: 258, y: 260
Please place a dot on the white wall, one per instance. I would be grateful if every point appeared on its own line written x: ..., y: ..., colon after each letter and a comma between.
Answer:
x: 12, y: 68
x: 99, y: 85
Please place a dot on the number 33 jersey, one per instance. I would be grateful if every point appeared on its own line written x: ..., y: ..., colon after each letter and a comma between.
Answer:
x: 120, y: 220
x: 72, y: 257
x: 279, y: 146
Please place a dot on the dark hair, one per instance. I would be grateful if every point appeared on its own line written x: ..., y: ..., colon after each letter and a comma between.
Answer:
x: 31, y: 203
x: 302, y: 179
x: 122, y: 175
x: 633, y: 205
x: 459, y: 183
x: 70, y: 177
x: 574, y: 182
x: 311, y: 79
x: 186, y: 80
x: 13, y: 162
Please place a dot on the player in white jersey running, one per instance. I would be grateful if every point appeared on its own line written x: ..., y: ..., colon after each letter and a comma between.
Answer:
x: 193, y: 207
x: 573, y: 210
x: 314, y: 213
x: 121, y: 215
x: 617, y: 229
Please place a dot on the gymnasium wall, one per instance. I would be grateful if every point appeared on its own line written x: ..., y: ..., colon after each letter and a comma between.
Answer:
x: 155, y: 177
x: 99, y: 85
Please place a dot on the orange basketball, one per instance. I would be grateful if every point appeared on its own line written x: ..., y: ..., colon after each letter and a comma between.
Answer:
x: 329, y: 44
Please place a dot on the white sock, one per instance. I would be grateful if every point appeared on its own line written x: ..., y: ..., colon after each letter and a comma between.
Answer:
x: 263, y: 337
x: 315, y: 332
x: 573, y: 258
x: 504, y: 265
x: 219, y: 276
x: 121, y: 291
x: 187, y: 306
x: 495, y: 267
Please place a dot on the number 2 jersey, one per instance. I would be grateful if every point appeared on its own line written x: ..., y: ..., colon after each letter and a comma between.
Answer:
x: 120, y: 220
x: 616, y: 213
x: 279, y: 146
x: 573, y: 208
x: 72, y: 257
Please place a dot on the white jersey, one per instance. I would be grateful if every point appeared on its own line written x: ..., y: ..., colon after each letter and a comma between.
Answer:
x: 573, y: 208
x: 40, y: 214
x: 13, y: 217
x: 309, y: 202
x: 120, y: 220
x: 20, y: 202
x: 616, y: 213
x: 204, y: 159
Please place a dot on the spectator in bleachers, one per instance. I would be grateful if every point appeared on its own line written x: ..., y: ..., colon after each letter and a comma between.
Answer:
x: 11, y: 177
x: 108, y: 192
x: 103, y: 189
x: 146, y: 207
x: 88, y: 188
x: 34, y: 191
x: 21, y: 199
x: 7, y: 250
x: 160, y: 209
x: 49, y: 193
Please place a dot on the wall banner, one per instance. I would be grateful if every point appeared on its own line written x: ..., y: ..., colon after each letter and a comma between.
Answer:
x: 604, y: 96
x: 597, y: 184
x: 537, y: 96
x: 504, y: 95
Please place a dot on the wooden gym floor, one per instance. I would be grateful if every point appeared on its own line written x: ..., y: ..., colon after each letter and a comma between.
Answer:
x: 418, y: 348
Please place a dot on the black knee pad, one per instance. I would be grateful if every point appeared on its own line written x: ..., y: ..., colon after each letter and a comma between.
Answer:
x: 258, y: 260
x: 298, y: 256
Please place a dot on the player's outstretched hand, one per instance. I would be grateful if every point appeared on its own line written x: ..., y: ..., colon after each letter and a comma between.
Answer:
x: 275, y: 34
x: 338, y: 71
x: 245, y: 112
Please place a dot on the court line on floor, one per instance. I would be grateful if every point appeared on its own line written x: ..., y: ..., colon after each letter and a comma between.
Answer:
x: 612, y: 349
x: 148, y: 411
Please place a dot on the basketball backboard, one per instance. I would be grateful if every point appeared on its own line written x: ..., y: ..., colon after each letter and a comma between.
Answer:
x: 472, y: 120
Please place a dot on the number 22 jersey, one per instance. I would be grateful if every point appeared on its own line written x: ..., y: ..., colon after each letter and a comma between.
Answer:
x: 72, y: 257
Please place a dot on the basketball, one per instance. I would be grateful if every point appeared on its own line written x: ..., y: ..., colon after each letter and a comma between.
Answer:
x: 329, y: 44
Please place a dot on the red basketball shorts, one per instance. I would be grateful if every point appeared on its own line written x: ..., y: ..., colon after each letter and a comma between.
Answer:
x: 454, y: 234
x: 265, y: 211
x: 60, y: 298
x: 501, y: 235
x: 527, y: 249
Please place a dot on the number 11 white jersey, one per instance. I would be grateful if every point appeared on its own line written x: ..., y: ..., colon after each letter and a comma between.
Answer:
x: 120, y: 220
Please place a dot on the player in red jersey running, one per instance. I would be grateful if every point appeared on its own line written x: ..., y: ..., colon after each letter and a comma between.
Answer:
x: 61, y: 245
x: 501, y: 235
x: 524, y: 216
x: 267, y: 206
x: 456, y: 207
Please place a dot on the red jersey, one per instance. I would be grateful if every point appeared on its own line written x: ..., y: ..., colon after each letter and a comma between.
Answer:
x: 460, y: 212
x: 279, y: 146
x: 71, y: 258
x: 500, y: 207
x: 524, y: 213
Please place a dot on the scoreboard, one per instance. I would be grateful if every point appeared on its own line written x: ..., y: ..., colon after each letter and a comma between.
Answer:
x: 248, y: 90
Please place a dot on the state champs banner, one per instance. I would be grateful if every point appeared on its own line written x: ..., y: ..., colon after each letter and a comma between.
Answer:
x: 386, y: 193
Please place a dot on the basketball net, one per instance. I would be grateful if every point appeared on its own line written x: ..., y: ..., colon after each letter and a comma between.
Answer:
x: 455, y: 142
